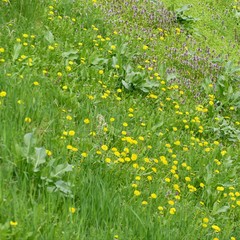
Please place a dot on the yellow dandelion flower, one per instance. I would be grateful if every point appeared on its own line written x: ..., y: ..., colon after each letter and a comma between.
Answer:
x: 27, y: 119
x: 223, y: 152
x: 68, y: 117
x: 72, y: 210
x: 187, y: 179
x: 205, y: 220
x: 216, y: 228
x: 84, y: 154
x: 69, y: 147
x: 36, y: 83
x: 177, y: 143
x: 74, y: 149
x: 113, y: 47
x: 134, y: 157
x: 25, y: 35
x: 48, y: 152
x: 3, y: 94
x: 71, y: 133
x: 153, y: 195
x: 68, y: 68
x: 13, y: 223
x: 104, y: 147
x: 167, y: 180
x: 145, y: 47
x: 108, y: 160
x: 137, y: 193
x: 160, y: 208
x: 86, y: 121
x: 149, y: 178
x: 172, y: 211
x: 220, y: 188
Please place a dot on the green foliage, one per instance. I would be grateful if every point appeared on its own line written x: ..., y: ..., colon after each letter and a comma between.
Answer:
x: 47, y: 174
x: 118, y: 120
x: 137, y: 80
x: 183, y: 19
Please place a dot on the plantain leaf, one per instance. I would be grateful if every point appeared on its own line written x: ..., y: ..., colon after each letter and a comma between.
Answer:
x: 61, y: 169
x: 39, y: 158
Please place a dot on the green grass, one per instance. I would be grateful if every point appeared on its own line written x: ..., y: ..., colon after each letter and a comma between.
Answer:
x: 119, y: 126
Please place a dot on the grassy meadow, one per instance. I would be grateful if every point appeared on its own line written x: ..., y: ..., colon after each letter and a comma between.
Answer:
x: 119, y: 120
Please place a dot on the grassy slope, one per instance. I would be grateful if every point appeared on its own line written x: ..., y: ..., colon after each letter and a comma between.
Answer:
x: 215, y: 22
x: 103, y: 203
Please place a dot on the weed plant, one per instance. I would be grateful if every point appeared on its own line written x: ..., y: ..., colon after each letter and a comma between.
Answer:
x: 119, y: 120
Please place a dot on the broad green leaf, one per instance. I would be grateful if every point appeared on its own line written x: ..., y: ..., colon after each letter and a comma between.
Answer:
x: 183, y: 9
x: 63, y: 186
x: 70, y: 52
x: 237, y: 15
x: 49, y: 36
x: 171, y: 76
x: 217, y: 209
x: 127, y: 85
x: 16, y: 51
x: 51, y: 189
x: 123, y: 48
x: 61, y: 169
x: 127, y: 68
x: 40, y: 157
x: 99, y: 61
x: 28, y: 139
x: 144, y: 89
x: 150, y: 84
x: 114, y: 61
x: 158, y: 125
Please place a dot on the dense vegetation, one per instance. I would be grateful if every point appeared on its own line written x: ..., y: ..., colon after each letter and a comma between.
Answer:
x: 119, y: 119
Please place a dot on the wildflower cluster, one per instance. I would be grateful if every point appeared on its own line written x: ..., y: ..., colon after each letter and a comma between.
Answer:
x: 129, y: 138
